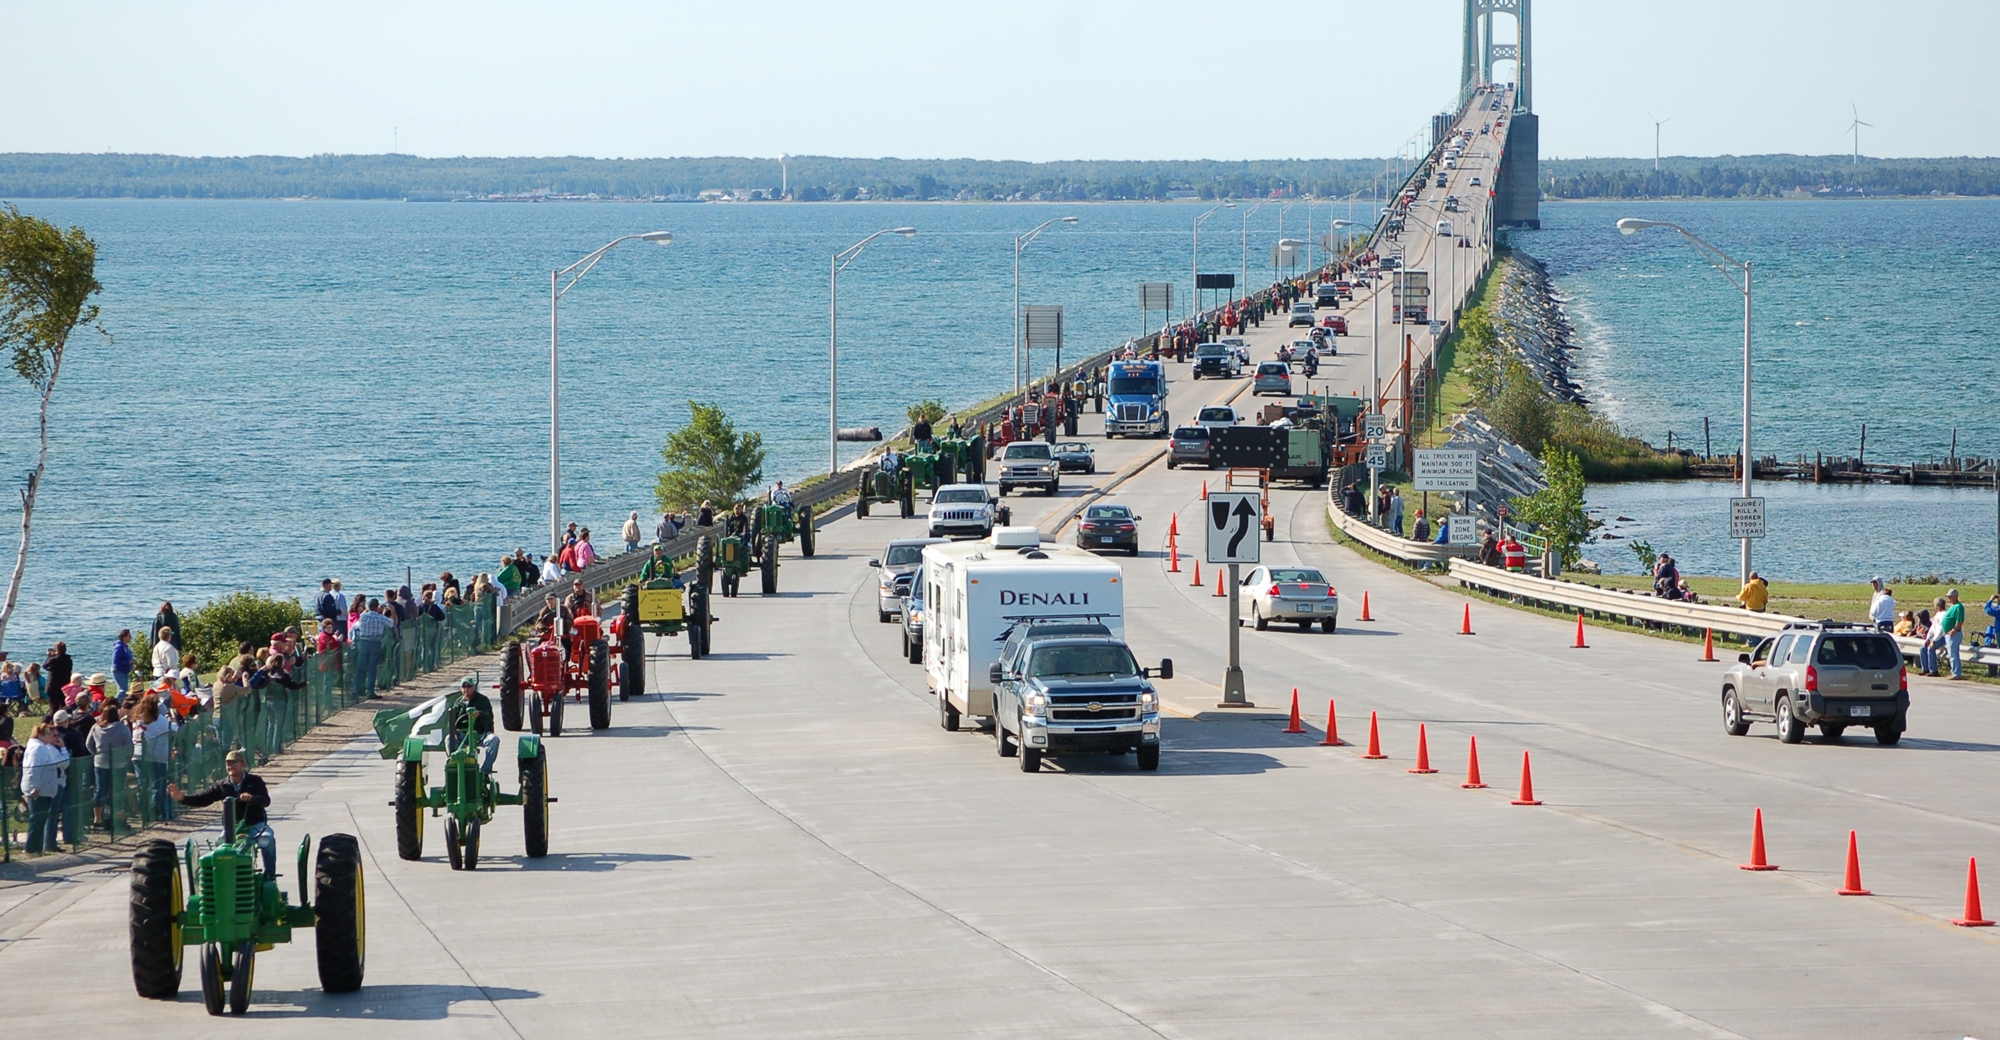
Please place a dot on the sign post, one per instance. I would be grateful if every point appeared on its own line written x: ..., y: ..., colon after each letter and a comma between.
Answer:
x: 1234, y: 519
x: 1154, y: 296
x: 1041, y: 327
x: 1746, y: 518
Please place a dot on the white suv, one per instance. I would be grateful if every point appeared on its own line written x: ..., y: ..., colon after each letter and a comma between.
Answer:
x: 961, y: 510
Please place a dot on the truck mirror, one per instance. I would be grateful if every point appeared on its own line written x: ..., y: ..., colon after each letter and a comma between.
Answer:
x: 874, y: 563
x: 1166, y: 667
x: 1743, y: 658
x: 993, y: 672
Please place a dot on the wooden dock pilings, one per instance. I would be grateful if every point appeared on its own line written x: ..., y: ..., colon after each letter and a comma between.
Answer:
x: 1951, y: 471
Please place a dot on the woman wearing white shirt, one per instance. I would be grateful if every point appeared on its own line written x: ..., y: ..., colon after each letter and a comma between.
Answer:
x: 166, y: 656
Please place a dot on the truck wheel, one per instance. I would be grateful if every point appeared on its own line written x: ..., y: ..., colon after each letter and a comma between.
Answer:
x: 1004, y: 489
x: 1790, y: 729
x: 211, y: 978
x: 600, y: 685
x: 242, y: 977
x: 510, y: 686
x: 884, y: 616
x: 1031, y: 760
x: 155, y: 915
x: 632, y: 661
x: 409, y: 811
x: 535, y: 805
x: 1000, y: 742
x: 339, y: 932
x: 947, y: 715
x: 472, y: 844
x: 1149, y: 758
x: 1170, y: 463
x: 916, y: 649
x: 453, y: 851
x: 1054, y: 487
x: 806, y: 533
x: 1733, y: 722
x: 1887, y: 734
x: 770, y: 564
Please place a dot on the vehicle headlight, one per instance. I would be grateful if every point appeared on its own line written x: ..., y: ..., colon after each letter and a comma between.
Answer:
x: 1037, y: 704
x: 1148, y: 702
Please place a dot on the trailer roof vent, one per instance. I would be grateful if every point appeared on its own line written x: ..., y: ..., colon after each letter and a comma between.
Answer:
x: 1016, y: 537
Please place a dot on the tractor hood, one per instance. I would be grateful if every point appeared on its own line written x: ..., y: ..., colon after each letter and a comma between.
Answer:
x: 425, y: 720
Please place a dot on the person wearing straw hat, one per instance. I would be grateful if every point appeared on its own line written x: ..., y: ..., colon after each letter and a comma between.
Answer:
x: 252, y: 797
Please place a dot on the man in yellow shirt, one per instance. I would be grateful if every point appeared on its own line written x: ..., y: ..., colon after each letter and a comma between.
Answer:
x: 1756, y: 594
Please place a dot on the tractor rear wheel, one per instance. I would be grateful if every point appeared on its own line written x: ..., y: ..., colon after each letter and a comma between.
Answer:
x: 600, y: 685
x: 806, y: 532
x: 770, y: 564
x: 861, y: 501
x: 510, y: 685
x: 632, y: 662
x: 704, y: 562
x: 409, y: 811
x: 156, y: 911
x: 340, y: 929
x: 241, y: 977
x: 535, y: 805
x: 211, y: 978
x: 472, y: 844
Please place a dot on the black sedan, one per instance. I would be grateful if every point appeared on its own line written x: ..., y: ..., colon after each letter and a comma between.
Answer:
x: 1108, y: 527
x: 1075, y: 457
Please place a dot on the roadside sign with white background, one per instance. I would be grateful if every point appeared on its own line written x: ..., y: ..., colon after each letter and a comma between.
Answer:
x: 1234, y: 521
x: 1378, y: 457
x: 1464, y: 530
x: 1746, y: 518
x: 1446, y: 469
x: 1374, y: 426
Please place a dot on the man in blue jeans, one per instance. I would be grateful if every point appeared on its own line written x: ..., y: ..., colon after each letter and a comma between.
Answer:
x: 1953, y: 628
x: 369, y: 630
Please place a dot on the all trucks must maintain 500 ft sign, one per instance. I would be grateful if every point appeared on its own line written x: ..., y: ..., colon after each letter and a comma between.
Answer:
x: 1446, y: 469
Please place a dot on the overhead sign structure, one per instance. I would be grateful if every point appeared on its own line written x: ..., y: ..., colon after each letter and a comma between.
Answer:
x: 1235, y: 518
x: 1445, y: 469
x: 1156, y: 296
x: 1746, y: 518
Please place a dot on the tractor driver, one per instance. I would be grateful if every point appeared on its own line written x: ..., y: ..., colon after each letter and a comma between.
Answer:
x: 892, y: 461
x: 576, y: 604
x: 480, y: 708
x: 779, y: 496
x: 252, y: 799
x: 660, y: 567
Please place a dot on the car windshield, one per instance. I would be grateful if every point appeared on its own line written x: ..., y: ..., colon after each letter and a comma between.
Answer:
x: 900, y: 555
x: 1210, y: 350
x: 1302, y: 575
x: 1191, y: 433
x: 1217, y: 414
x: 1871, y: 652
x: 1072, y: 448
x: 1027, y: 451
x: 1082, y: 660
x: 959, y: 496
x: 1107, y: 513
x: 1122, y: 386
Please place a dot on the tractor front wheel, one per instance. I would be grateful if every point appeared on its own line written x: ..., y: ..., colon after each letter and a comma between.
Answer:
x: 241, y: 978
x: 535, y: 707
x: 451, y: 847
x: 861, y: 502
x: 409, y: 811
x: 600, y: 685
x: 339, y: 931
x: 211, y: 978
x: 556, y: 714
x: 510, y: 686
x: 806, y: 532
x: 770, y: 564
x: 156, y: 914
x: 472, y: 844
x: 535, y: 805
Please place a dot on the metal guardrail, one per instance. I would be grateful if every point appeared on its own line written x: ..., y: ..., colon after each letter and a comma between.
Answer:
x: 1404, y: 549
x: 1618, y: 603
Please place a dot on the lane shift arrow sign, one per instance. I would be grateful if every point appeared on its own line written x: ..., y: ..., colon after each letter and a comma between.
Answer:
x: 1245, y: 516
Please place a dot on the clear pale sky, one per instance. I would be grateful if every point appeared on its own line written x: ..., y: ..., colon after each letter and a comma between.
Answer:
x: 1080, y: 79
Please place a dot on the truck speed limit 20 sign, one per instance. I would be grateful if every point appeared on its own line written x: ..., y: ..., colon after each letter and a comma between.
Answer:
x: 1234, y: 521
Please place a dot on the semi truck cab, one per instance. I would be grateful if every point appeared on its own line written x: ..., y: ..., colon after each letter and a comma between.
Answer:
x: 1135, y: 394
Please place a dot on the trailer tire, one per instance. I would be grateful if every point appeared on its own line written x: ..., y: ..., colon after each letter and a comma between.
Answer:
x: 510, y: 686
x: 600, y: 685
x: 156, y: 909
x: 340, y: 935
x: 409, y: 811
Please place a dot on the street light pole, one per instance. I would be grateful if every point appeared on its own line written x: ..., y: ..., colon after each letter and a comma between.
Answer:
x: 1195, y: 296
x: 1020, y: 243
x: 834, y: 267
x: 1244, y: 284
x: 556, y: 293
x: 1726, y: 264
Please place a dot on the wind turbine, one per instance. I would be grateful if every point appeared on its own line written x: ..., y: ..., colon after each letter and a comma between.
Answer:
x: 1855, y: 128
x: 1657, y: 124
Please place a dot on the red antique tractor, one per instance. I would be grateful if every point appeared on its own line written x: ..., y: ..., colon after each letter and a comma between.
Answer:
x: 556, y: 670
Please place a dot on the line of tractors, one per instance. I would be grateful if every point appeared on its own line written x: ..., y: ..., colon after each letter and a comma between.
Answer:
x: 210, y: 896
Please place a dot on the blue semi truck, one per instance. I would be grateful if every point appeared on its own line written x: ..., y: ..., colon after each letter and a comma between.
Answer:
x: 1135, y: 399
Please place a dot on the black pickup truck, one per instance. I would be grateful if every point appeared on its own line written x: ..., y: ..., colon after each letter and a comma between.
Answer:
x: 1216, y: 361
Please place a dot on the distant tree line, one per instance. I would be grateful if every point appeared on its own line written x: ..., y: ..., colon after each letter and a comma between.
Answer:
x: 815, y: 178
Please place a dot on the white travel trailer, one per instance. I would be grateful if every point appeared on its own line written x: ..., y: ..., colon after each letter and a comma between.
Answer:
x: 975, y: 593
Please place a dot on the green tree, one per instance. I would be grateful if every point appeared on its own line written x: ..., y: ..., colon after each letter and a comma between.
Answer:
x: 707, y: 461
x: 1523, y: 409
x: 928, y: 410
x: 1556, y: 511
x: 47, y: 277
x: 216, y: 628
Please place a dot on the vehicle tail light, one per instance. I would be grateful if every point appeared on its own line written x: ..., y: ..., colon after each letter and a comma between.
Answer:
x: 1903, y: 678
x: 1329, y: 592
x: 1812, y: 679
x: 1274, y: 591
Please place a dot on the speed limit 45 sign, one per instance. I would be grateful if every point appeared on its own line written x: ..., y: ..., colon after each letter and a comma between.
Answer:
x: 1234, y: 520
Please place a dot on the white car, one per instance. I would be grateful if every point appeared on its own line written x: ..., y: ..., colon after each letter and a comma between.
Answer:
x: 1216, y: 416
x: 1238, y: 346
x: 963, y: 510
x: 1288, y: 594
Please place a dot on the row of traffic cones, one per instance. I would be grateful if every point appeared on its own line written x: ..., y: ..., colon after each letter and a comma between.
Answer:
x: 1374, y: 752
x: 1851, y: 881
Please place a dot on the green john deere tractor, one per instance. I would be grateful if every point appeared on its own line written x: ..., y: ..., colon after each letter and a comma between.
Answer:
x: 469, y: 795
x: 734, y: 558
x: 774, y: 526
x: 950, y: 460
x: 664, y: 609
x: 211, y: 896
x: 880, y: 485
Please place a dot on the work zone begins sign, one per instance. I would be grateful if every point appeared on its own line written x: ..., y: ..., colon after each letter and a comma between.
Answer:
x: 1234, y: 520
x: 1445, y: 469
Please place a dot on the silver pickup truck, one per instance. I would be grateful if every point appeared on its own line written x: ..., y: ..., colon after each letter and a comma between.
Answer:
x: 1074, y: 687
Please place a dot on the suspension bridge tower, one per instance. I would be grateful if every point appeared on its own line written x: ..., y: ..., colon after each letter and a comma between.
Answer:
x: 1517, y: 187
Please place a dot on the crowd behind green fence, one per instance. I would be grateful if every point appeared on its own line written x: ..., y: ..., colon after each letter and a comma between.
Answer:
x: 101, y: 805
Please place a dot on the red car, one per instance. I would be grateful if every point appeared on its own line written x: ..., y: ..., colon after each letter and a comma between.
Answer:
x: 1335, y: 322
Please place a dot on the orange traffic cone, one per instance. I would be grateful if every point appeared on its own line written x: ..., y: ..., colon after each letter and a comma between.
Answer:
x: 1708, y: 644
x: 1296, y: 726
x: 1973, y: 918
x: 1527, y: 784
x: 1374, y: 739
x: 1472, y: 764
x: 1423, y: 752
x: 1365, y: 616
x: 1204, y: 491
x: 1757, y: 860
x: 1173, y: 558
x: 1332, y: 728
x: 1219, y: 590
x: 1580, y: 644
x: 1465, y: 627
x: 1173, y: 525
x: 1197, y: 574
x: 1851, y: 885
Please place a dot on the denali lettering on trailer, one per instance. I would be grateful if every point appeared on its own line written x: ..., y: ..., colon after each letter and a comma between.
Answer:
x: 1010, y: 598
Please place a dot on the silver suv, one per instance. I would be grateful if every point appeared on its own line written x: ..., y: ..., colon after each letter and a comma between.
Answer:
x: 1830, y: 674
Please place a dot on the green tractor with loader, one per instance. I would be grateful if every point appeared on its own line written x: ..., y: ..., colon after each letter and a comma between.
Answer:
x: 211, y: 897
x: 468, y: 796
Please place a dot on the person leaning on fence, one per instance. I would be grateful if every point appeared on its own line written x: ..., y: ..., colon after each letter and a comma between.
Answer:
x: 1881, y: 606
x: 632, y: 534
x: 252, y: 798
x: 152, y: 747
x: 327, y: 607
x: 369, y: 629
x: 44, y: 771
